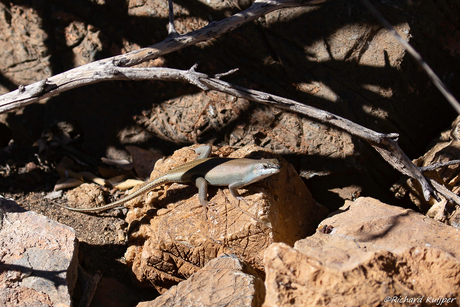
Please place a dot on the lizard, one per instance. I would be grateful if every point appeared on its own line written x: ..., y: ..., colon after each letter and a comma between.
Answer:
x: 231, y: 172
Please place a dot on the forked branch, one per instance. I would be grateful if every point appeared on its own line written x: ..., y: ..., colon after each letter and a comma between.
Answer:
x: 117, y: 68
x: 85, y: 75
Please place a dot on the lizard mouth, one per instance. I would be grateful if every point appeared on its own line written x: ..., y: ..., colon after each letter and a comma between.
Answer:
x: 272, y: 165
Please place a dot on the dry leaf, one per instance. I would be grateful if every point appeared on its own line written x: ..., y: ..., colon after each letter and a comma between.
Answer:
x: 67, y: 184
x: 128, y: 184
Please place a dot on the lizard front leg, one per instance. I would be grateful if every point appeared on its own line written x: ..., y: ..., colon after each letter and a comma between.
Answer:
x: 235, y: 185
x: 203, y: 151
x: 201, y: 183
x: 202, y: 186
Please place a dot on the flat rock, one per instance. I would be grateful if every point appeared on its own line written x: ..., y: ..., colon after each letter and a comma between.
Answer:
x: 373, y: 254
x: 170, y: 244
x: 224, y: 281
x: 38, y: 266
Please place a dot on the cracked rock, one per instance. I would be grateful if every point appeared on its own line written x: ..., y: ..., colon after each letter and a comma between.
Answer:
x: 369, y: 255
x: 170, y: 244
x: 38, y: 266
x: 224, y: 281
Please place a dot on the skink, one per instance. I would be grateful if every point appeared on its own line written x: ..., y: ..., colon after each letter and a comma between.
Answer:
x: 234, y: 173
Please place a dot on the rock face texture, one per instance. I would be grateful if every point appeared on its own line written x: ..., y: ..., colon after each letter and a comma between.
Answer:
x: 175, y: 242
x: 23, y: 63
x: 371, y: 255
x: 223, y: 281
x: 37, y: 259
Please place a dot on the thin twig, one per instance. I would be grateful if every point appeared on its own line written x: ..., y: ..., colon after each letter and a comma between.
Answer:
x: 448, y: 194
x: 432, y: 167
x: 431, y: 74
x: 89, y: 285
x: 171, y: 27
x: 232, y: 71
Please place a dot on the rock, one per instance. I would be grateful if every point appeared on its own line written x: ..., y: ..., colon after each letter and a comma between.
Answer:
x: 38, y: 263
x: 53, y: 195
x: 143, y: 161
x: 87, y: 195
x: 169, y: 245
x: 371, y: 255
x: 23, y: 63
x: 224, y: 281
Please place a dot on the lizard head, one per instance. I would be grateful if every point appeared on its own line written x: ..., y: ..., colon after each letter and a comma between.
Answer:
x: 263, y: 169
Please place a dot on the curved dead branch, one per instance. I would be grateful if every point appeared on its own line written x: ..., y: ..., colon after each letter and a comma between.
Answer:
x: 85, y: 75
x: 117, y: 68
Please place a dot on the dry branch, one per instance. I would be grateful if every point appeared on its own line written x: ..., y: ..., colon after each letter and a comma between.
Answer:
x: 116, y: 68
x: 85, y: 75
x: 434, y: 166
x: 448, y: 194
x: 385, y: 144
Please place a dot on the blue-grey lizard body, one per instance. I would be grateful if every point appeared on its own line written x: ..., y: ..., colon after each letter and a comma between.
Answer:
x: 234, y: 173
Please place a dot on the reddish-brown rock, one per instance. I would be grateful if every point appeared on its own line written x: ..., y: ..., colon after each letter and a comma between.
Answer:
x: 172, y: 244
x: 371, y: 253
x: 87, y: 195
x: 23, y: 56
x: 224, y: 281
x: 38, y: 266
